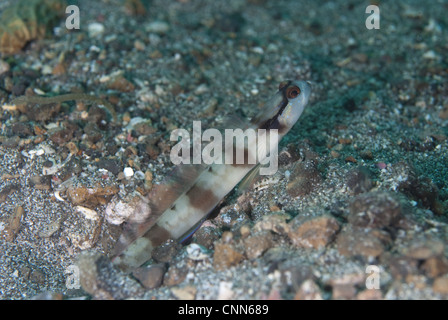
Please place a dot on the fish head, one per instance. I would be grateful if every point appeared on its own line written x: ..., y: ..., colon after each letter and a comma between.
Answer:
x: 297, y: 94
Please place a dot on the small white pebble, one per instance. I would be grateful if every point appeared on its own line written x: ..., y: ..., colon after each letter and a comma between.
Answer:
x: 95, y: 29
x: 430, y: 55
x: 254, y: 91
x: 88, y: 213
x: 159, y: 27
x: 139, y: 175
x: 58, y: 197
x: 128, y: 172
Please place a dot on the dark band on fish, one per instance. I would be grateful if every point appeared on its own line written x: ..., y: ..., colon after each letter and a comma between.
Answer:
x: 201, y: 198
x: 268, y: 124
x: 157, y: 235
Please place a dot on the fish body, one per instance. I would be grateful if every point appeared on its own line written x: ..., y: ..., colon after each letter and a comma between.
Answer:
x: 193, y: 191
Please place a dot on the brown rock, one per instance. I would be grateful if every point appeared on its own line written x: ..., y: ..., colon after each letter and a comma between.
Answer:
x: 441, y: 285
x: 27, y: 20
x: 313, y: 233
x: 304, y: 178
x: 62, y: 136
x: 40, y: 182
x: 206, y: 236
x: 121, y: 84
x: 309, y: 290
x: 151, y: 276
x: 184, y: 293
x: 225, y: 256
x: 370, y: 294
x: 295, y: 275
x: 101, y: 278
x: 364, y: 242
x: 84, y: 228
x: 274, y: 222
x: 400, y: 267
x: 419, y: 188
x: 40, y: 112
x: 14, y: 223
x: 359, y: 181
x: 375, y: 210
x: 435, y: 266
x: 344, y: 292
x: 174, y: 276
x: 257, y: 244
x: 91, y: 197
x: 350, y: 159
x: 424, y: 249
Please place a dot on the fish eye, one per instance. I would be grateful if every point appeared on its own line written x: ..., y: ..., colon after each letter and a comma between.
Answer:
x: 292, y: 92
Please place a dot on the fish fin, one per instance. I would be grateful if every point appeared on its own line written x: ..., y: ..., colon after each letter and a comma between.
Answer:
x: 249, y: 179
x: 161, y: 197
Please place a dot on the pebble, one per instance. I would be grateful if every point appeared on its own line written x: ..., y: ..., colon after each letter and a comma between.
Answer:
x: 84, y: 229
x: 273, y: 222
x: 375, y: 210
x: 128, y: 172
x: 197, y: 252
x: 225, y: 291
x: 121, y: 84
x: 370, y: 294
x: 40, y: 112
x: 292, y: 276
x: 418, y: 187
x: 309, y: 290
x: 184, y: 293
x: 255, y: 245
x: 440, y: 285
x: 304, y: 178
x: 206, y: 236
x: 40, y: 182
x: 101, y: 279
x: 95, y: 29
x: 150, y: 276
x: 110, y: 165
x: 158, y: 27
x: 62, y: 136
x: 364, y: 242
x: 14, y: 223
x: 175, y: 275
x: 4, y: 67
x: 88, y: 213
x: 313, y: 233
x: 401, y: 266
x: 350, y: 159
x: 91, y: 197
x: 359, y: 181
x: 120, y: 210
x: 435, y: 266
x: 49, y: 229
x: 226, y: 256
x: 424, y: 249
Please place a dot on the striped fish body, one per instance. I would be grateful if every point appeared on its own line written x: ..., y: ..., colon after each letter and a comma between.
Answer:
x: 195, y: 190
